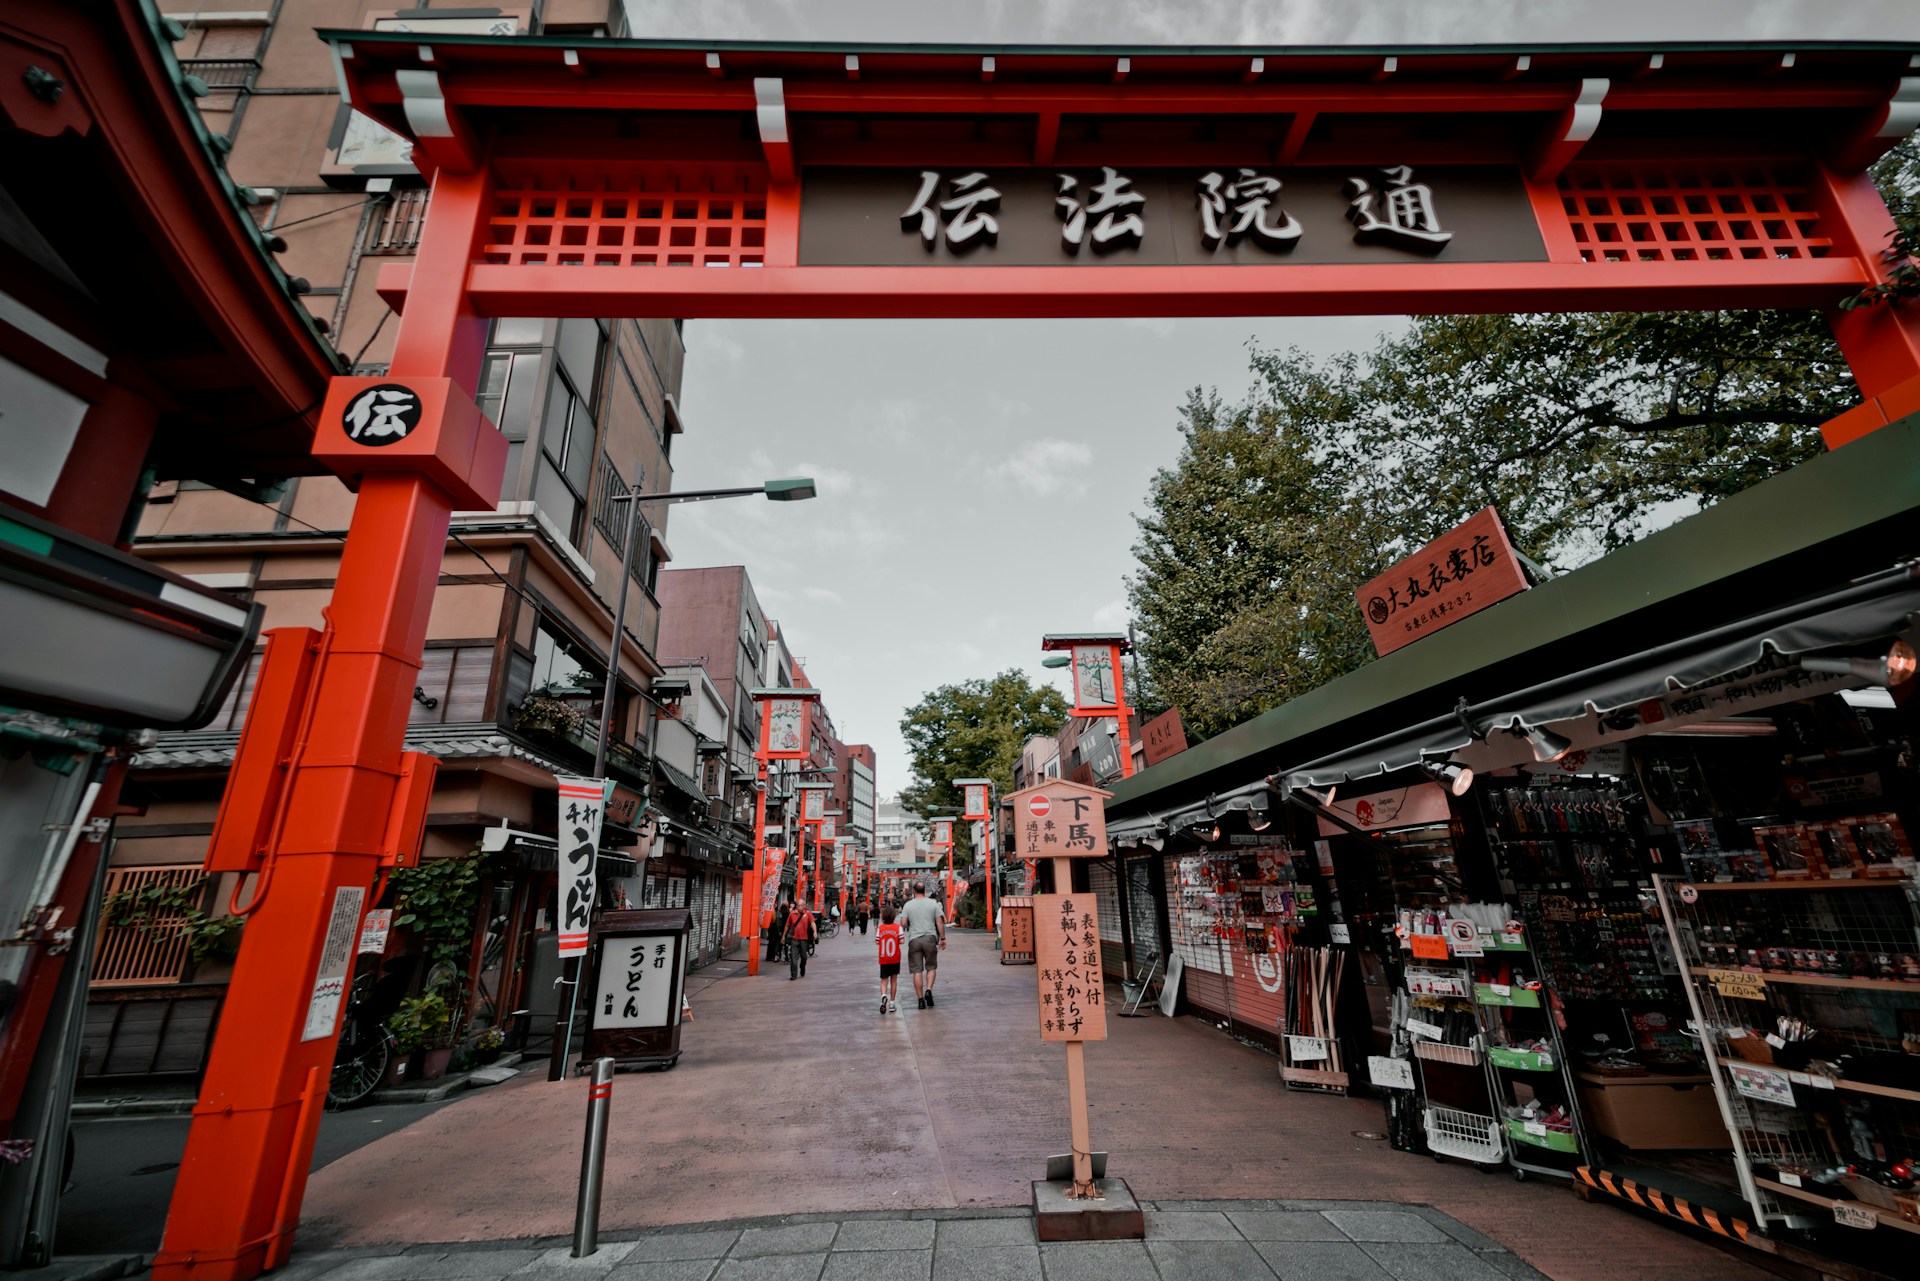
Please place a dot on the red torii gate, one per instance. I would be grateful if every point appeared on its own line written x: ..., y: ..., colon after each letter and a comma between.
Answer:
x: 571, y: 177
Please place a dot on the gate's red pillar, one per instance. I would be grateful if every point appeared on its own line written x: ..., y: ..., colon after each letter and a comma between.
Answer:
x: 237, y: 1199
x: 1881, y: 342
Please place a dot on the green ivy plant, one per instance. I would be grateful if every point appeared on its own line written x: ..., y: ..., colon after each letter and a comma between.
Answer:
x: 420, y: 1023
x: 436, y: 899
x: 174, y: 910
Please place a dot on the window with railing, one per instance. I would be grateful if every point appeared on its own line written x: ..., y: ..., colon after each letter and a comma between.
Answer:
x: 153, y: 952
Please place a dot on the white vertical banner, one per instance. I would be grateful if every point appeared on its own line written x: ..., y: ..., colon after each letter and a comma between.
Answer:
x: 583, y: 802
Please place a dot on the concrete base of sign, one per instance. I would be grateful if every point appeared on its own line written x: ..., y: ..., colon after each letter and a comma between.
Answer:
x: 1115, y: 1216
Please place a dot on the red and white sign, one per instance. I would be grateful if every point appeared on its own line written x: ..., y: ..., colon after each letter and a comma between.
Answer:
x: 1414, y: 806
x: 1039, y: 806
x: 583, y: 802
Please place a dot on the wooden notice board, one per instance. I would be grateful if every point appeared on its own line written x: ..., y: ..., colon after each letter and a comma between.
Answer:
x: 1459, y: 573
x: 1059, y: 819
x: 1073, y: 999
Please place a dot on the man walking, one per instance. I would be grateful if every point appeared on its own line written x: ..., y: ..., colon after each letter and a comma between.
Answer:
x: 800, y: 933
x: 926, y: 933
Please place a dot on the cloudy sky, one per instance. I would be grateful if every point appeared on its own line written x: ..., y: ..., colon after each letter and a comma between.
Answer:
x: 979, y: 479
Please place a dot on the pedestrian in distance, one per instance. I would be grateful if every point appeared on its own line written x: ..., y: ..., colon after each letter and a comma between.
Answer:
x: 888, y: 936
x: 800, y: 936
x: 863, y: 919
x: 926, y: 933
x: 777, y: 931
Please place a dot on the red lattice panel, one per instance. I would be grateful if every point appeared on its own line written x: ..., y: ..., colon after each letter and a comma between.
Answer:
x: 637, y: 228
x: 1644, y: 213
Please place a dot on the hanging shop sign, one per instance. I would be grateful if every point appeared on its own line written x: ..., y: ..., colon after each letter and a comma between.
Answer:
x: 1413, y: 806
x: 583, y: 803
x: 1610, y: 758
x: 1059, y: 819
x: 1100, y: 215
x: 1164, y: 736
x: 1462, y: 572
x: 1067, y: 953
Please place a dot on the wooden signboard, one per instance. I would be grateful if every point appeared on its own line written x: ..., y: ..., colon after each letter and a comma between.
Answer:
x: 1059, y: 819
x: 639, y: 975
x: 1016, y: 931
x: 1073, y: 1005
x: 1462, y: 572
x: 1164, y: 736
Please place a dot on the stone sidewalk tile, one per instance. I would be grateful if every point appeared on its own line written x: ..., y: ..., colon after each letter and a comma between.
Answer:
x: 471, y: 1263
x: 1190, y: 1225
x: 956, y: 1232
x: 1320, y: 1261
x: 559, y: 1259
x: 1207, y: 1261
x: 682, y: 1245
x: 1376, y: 1225
x: 1457, y: 1230
x: 799, y: 1238
x: 1449, y: 1262
x: 391, y: 1267
x: 873, y: 1265
x: 987, y: 1263
x: 1285, y: 1225
x: 1097, y: 1261
x: 666, y: 1270
x: 773, y: 1267
x: 885, y: 1234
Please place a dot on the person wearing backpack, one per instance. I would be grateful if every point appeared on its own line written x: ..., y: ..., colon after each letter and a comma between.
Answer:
x: 800, y: 936
x: 889, y: 938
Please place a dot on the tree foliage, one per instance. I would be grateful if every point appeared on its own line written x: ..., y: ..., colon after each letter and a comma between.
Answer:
x: 974, y: 729
x: 1585, y: 431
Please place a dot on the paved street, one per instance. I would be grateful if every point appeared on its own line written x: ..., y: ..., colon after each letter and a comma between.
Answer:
x: 800, y: 1099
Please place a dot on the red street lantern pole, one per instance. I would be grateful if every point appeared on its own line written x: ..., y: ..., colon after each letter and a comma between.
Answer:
x: 786, y: 741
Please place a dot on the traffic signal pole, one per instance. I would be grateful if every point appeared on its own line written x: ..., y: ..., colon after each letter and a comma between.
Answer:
x: 325, y: 814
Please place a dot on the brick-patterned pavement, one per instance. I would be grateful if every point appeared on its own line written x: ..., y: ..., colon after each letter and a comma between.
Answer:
x: 799, y: 1097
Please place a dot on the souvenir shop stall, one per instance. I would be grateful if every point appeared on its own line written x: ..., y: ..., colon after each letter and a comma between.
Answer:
x: 1618, y: 871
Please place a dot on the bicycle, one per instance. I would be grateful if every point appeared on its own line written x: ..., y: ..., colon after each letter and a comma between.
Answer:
x: 363, y: 1052
x: 829, y: 927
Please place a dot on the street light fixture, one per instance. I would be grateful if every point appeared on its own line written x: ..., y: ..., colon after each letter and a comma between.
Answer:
x: 790, y: 490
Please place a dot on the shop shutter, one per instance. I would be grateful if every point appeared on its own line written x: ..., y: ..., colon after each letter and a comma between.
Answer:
x: 1106, y: 894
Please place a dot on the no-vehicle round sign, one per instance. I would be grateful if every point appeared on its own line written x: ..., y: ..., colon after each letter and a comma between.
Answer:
x: 1039, y: 806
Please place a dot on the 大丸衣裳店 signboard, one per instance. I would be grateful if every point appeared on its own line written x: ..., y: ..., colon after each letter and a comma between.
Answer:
x: 1462, y: 572
x: 1066, y: 941
x: 583, y: 802
x: 1059, y: 819
x: 1118, y: 216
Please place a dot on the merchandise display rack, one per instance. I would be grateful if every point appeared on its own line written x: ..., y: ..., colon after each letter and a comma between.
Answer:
x: 1799, y: 1112
x: 1502, y: 1010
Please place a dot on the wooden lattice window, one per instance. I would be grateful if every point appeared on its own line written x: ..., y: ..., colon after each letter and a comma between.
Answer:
x: 1654, y: 213
x: 152, y: 953
x: 711, y: 221
x: 395, y: 225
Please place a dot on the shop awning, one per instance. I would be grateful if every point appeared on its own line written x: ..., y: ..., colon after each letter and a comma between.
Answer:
x: 680, y: 780
x: 1806, y: 560
x: 542, y: 854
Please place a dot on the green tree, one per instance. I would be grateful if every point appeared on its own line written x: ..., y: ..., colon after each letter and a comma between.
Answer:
x: 974, y: 729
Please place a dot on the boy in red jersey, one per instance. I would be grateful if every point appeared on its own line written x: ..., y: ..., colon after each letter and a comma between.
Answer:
x: 889, y: 939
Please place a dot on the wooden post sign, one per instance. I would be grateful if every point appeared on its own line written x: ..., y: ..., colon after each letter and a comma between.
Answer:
x: 639, y: 976
x: 1462, y: 572
x: 1059, y: 819
x: 1066, y: 940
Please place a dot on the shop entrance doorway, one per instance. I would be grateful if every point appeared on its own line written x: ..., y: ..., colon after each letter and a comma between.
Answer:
x: 628, y: 178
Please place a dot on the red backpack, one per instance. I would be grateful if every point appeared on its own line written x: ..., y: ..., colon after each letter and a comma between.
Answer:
x: 889, y: 945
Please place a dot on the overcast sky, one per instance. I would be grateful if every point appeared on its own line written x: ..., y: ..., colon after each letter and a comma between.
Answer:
x: 979, y: 479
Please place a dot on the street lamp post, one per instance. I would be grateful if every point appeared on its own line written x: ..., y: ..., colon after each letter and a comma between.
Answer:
x: 789, y: 490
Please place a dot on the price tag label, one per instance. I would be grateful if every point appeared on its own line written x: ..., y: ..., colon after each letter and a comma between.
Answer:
x: 1500, y: 989
x: 1429, y: 947
x: 1791, y: 1179
x: 1851, y: 1215
x: 1339, y: 934
x: 1820, y: 1082
x: 1536, y: 1127
x: 1799, y: 1078
x: 1739, y: 984
x: 1306, y: 1049
x: 1390, y: 1074
x: 1420, y: 1027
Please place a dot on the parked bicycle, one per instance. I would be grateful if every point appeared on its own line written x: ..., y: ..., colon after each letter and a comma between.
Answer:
x: 366, y: 1047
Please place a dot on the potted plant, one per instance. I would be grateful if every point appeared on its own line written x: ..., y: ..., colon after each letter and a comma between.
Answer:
x: 419, y: 1026
x: 545, y: 712
x: 486, y: 1045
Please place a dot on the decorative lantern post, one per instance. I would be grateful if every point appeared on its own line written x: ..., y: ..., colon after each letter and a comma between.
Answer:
x: 976, y: 805
x: 785, y: 735
x: 1099, y: 688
